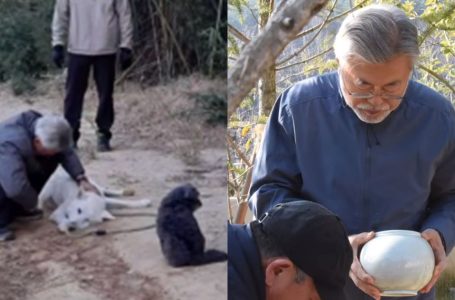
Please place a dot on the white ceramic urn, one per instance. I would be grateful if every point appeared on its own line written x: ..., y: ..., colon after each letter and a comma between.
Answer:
x: 400, y: 261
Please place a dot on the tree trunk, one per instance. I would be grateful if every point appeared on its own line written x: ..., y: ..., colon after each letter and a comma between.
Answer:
x: 267, y: 91
x: 267, y: 84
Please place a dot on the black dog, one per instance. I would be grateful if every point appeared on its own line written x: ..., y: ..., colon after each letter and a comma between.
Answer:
x: 181, y: 239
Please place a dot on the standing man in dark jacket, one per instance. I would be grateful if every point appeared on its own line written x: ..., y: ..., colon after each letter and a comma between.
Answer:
x: 368, y: 143
x: 31, y: 148
x: 94, y: 32
x: 298, y: 250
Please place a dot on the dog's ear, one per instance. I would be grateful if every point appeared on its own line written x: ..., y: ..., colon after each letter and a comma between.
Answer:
x: 105, y: 215
x: 189, y: 191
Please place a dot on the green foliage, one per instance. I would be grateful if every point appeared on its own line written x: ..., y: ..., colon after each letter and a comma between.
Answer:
x: 22, y: 83
x: 262, y: 119
x: 440, y: 14
x: 437, y: 38
x: 25, y: 42
x: 233, y: 48
x: 247, y: 103
x: 213, y: 107
x: 238, y: 6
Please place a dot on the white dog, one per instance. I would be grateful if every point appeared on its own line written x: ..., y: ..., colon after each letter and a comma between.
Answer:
x: 76, y: 208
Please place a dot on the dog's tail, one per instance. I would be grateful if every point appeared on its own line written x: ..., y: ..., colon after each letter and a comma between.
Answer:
x: 118, y: 193
x: 119, y: 203
x: 211, y: 256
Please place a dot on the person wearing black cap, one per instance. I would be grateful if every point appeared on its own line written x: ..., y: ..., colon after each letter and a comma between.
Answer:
x: 297, y: 250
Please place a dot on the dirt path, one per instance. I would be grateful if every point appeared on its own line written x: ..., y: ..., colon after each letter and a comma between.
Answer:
x: 45, y: 265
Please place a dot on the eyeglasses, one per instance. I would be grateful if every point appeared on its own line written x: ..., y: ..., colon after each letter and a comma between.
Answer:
x: 369, y: 95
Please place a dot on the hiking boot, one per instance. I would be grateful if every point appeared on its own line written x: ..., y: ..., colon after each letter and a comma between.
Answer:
x: 27, y: 216
x: 6, y: 234
x: 103, y: 144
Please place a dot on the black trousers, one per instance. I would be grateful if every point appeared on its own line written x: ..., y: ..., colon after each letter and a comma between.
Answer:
x: 76, y: 86
x: 42, y: 169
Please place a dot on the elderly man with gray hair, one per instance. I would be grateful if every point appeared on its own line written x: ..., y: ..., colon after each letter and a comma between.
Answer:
x: 367, y: 142
x: 31, y: 148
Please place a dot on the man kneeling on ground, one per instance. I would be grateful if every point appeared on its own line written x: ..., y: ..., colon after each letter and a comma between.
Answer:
x: 297, y: 250
x: 31, y: 148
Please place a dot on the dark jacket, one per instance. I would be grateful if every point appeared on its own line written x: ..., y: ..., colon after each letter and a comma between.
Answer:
x: 398, y: 174
x: 17, y: 158
x: 246, y: 279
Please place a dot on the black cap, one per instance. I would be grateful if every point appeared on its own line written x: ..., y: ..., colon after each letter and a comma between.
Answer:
x: 315, y: 240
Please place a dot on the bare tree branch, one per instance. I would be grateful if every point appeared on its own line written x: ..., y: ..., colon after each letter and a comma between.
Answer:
x: 172, y: 35
x: 312, y: 38
x: 330, y: 20
x: 305, y: 60
x: 296, y: 75
x: 234, y: 179
x: 243, y: 205
x: 125, y: 73
x: 261, y: 53
x: 235, y: 32
x: 237, y: 150
x: 252, y: 14
x: 437, y: 76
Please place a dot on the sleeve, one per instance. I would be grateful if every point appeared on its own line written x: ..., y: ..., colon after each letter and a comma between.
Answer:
x: 71, y: 163
x: 60, y: 22
x: 14, y: 179
x: 123, y: 10
x: 441, y: 211
x: 276, y: 175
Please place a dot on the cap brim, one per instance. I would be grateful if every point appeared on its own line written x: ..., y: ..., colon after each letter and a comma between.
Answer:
x: 329, y: 293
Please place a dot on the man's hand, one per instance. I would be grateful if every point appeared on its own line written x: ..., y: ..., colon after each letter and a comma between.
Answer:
x: 87, y: 186
x: 58, y: 55
x: 126, y: 58
x: 433, y: 238
x: 362, y: 279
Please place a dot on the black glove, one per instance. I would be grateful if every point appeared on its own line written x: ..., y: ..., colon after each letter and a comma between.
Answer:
x: 58, y: 55
x: 126, y: 58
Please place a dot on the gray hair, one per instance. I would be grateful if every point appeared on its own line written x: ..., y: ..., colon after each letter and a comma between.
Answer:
x: 376, y: 33
x: 300, y: 276
x: 54, y: 132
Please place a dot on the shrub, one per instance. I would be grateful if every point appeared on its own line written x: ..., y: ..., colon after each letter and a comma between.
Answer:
x: 25, y: 41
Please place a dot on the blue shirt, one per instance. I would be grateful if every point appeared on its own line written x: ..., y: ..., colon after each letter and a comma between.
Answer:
x: 397, y: 174
x: 246, y: 279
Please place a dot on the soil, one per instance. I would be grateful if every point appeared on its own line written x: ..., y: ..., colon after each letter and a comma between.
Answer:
x: 160, y: 141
